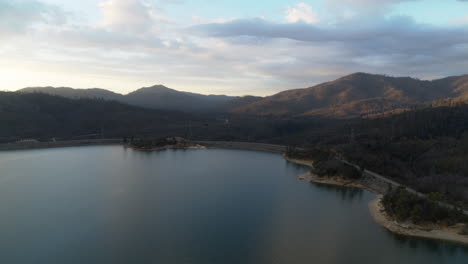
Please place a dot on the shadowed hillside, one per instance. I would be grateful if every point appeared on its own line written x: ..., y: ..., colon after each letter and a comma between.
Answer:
x: 161, y: 97
x: 357, y: 95
x: 44, y: 116
x: 156, y: 97
x: 41, y: 116
x: 71, y: 93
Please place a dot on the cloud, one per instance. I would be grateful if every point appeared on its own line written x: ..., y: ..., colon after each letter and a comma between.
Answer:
x: 365, y: 4
x: 137, y: 44
x: 258, y: 28
x: 201, y: 20
x: 302, y: 12
x: 398, y: 30
x: 396, y: 45
x: 361, y: 9
x: 131, y: 16
x: 19, y: 16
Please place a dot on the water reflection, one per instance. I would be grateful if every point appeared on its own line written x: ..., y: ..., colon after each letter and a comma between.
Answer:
x: 117, y: 205
x: 349, y: 194
x: 434, y: 246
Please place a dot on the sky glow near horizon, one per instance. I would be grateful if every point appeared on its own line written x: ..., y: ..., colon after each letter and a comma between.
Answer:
x: 226, y: 47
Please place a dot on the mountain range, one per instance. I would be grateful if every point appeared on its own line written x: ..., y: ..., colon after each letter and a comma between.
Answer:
x: 354, y: 95
x: 155, y: 97
x: 359, y: 94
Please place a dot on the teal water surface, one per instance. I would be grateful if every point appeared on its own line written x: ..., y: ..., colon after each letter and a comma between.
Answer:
x: 103, y: 205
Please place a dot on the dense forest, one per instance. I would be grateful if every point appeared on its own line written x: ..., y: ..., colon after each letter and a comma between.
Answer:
x: 404, y: 206
x: 43, y: 117
x: 426, y: 149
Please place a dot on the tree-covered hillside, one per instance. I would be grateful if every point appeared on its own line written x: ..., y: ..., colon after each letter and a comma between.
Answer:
x: 44, y: 116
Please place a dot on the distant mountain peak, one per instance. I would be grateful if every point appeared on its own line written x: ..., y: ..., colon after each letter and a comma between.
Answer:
x: 360, y: 74
x: 363, y: 75
x: 158, y: 86
x: 154, y: 89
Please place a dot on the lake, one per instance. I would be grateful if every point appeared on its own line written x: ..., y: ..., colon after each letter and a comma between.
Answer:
x: 100, y: 205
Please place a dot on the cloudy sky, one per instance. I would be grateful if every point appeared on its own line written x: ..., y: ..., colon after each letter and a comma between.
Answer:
x: 234, y: 47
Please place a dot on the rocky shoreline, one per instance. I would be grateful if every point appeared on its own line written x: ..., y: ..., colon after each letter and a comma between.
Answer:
x: 451, y: 233
x: 339, y: 181
x: 336, y: 180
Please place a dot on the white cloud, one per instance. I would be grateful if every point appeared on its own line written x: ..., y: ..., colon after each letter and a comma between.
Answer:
x: 202, y: 20
x: 365, y: 4
x: 369, y: 10
x: 302, y: 12
x: 131, y: 16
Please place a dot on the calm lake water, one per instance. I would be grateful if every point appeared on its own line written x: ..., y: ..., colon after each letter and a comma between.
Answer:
x: 100, y: 205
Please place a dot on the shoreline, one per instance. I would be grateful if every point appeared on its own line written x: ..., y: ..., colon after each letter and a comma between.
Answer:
x: 337, y: 181
x: 434, y: 232
x: 442, y: 233
x: 59, y: 144
x: 242, y: 146
x: 118, y: 141
x: 167, y: 147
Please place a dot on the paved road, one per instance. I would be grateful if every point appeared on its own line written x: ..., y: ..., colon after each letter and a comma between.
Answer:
x: 396, y: 184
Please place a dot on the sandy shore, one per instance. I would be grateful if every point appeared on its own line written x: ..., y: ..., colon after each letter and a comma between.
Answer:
x: 409, y: 229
